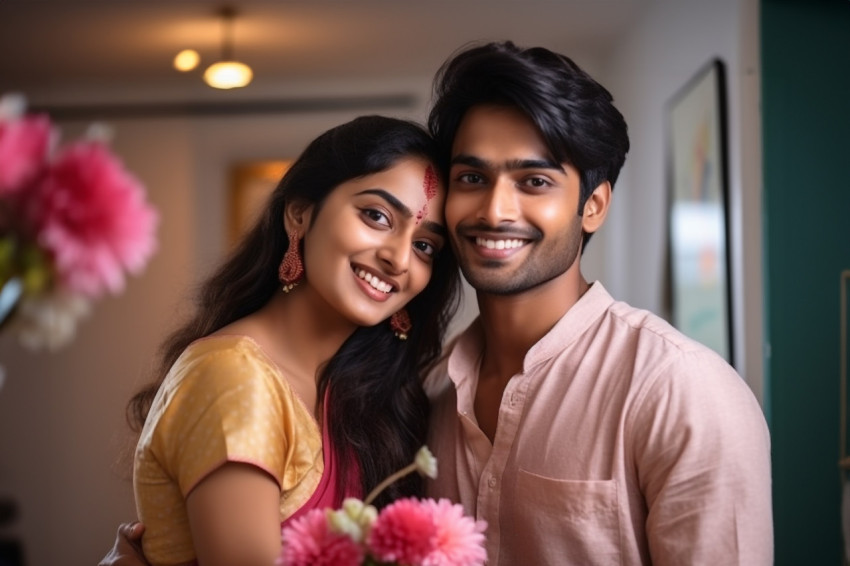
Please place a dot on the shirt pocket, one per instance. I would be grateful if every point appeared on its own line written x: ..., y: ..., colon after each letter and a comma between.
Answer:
x: 564, y: 521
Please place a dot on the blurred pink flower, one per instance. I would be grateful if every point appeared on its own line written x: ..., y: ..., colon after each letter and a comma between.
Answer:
x: 404, y: 532
x: 459, y: 539
x: 24, y: 146
x: 91, y: 215
x: 308, y: 541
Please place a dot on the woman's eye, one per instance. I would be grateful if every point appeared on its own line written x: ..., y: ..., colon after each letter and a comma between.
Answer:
x: 376, y: 216
x: 426, y: 248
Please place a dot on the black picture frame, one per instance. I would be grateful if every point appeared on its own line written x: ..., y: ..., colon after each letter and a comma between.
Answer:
x: 699, y: 283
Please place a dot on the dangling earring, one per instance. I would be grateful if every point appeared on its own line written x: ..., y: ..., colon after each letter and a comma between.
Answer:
x: 400, y: 323
x: 291, y: 269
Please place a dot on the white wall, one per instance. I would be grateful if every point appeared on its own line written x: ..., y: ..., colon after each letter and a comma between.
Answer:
x: 62, y: 415
x: 665, y: 47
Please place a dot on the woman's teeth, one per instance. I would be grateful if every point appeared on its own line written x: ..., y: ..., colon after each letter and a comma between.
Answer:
x: 372, y: 280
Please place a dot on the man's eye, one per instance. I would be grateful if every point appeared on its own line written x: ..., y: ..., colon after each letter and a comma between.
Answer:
x: 472, y: 178
x: 537, y: 182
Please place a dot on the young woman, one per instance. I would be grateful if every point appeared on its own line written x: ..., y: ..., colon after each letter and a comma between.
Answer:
x: 297, y: 381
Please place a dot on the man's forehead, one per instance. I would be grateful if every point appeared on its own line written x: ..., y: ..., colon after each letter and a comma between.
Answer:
x: 499, y: 133
x: 529, y: 161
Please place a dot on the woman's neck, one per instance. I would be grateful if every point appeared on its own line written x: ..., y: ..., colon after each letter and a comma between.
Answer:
x: 307, y: 330
x: 298, y: 331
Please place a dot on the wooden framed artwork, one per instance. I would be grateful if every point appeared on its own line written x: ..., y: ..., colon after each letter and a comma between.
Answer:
x: 699, y: 284
x: 251, y: 185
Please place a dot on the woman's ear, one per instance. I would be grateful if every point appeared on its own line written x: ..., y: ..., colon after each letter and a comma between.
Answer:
x: 297, y: 216
x: 596, y: 208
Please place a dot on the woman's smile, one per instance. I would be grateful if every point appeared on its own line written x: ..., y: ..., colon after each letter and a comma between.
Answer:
x: 373, y: 285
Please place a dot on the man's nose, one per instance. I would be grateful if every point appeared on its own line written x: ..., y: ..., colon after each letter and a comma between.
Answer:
x: 499, y: 204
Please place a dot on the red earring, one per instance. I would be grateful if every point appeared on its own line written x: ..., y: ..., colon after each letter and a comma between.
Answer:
x: 400, y: 323
x: 291, y: 269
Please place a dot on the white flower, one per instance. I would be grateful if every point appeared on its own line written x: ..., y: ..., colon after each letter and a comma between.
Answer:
x: 12, y: 106
x: 48, y: 321
x: 354, y: 519
x: 426, y: 463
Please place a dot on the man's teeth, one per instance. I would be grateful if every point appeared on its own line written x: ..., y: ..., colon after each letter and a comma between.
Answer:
x: 499, y: 244
x: 381, y: 286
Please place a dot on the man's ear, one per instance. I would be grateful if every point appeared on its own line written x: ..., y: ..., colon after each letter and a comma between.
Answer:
x: 297, y: 216
x: 596, y: 208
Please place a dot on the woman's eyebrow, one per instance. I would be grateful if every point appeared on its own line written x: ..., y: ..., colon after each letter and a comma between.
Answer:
x: 391, y: 200
x: 435, y: 227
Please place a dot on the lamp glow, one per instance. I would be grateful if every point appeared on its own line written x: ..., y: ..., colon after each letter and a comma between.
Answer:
x: 186, y: 60
x: 228, y: 74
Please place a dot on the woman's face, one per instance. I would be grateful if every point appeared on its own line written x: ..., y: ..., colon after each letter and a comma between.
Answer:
x: 372, y: 246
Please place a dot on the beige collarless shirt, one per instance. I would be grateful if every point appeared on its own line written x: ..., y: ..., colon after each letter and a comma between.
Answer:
x: 621, y: 442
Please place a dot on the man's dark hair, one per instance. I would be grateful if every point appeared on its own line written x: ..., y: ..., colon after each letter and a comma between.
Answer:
x: 574, y: 113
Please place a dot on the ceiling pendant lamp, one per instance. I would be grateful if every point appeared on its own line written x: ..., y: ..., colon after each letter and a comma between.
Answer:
x: 227, y: 73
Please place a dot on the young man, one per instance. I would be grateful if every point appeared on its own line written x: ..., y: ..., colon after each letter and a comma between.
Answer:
x: 584, y: 431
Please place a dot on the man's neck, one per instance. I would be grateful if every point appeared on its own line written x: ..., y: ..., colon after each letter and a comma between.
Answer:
x: 514, y: 323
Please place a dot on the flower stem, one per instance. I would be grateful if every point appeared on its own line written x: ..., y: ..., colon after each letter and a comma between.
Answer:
x: 383, y: 485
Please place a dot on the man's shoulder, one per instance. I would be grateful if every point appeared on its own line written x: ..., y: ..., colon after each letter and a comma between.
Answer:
x: 663, y: 354
x: 648, y: 346
x: 650, y: 329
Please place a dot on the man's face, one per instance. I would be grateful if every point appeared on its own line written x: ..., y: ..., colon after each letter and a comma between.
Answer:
x: 511, y: 210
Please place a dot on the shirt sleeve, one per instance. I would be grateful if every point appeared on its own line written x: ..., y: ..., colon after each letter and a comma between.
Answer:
x: 229, y: 407
x: 702, y: 451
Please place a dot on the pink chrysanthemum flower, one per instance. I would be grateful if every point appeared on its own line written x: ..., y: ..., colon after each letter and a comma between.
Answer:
x: 91, y: 215
x: 308, y: 541
x: 404, y: 532
x: 459, y: 539
x: 24, y: 147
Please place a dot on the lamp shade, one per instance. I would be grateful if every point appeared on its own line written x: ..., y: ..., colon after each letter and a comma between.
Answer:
x: 228, y: 74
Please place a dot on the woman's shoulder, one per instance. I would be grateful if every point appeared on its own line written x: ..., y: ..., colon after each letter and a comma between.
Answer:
x: 222, y: 348
x: 223, y: 361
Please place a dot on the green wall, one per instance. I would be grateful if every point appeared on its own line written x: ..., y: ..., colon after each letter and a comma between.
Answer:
x: 806, y: 137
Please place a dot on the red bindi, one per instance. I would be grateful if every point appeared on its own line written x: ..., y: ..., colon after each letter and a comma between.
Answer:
x: 429, y: 187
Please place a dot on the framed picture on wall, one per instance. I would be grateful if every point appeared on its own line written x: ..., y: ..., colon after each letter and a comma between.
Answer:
x: 699, y: 283
x: 251, y: 185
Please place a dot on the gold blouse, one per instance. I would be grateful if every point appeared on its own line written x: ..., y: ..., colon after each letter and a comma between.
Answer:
x: 223, y: 401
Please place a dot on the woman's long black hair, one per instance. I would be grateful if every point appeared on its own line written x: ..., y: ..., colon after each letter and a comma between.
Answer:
x: 376, y: 405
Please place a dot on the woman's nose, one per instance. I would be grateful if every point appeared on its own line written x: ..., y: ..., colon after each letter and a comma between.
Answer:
x: 395, y: 253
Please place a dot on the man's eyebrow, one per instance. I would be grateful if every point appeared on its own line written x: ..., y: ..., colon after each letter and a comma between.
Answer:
x: 391, y: 200
x: 512, y: 165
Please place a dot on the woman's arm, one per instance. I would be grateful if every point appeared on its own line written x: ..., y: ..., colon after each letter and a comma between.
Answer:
x: 234, y: 515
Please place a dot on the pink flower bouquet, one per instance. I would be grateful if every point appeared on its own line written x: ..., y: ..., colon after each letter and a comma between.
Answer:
x: 73, y: 223
x: 411, y: 532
